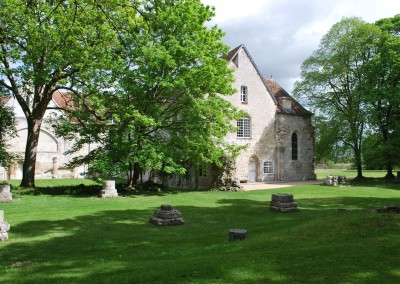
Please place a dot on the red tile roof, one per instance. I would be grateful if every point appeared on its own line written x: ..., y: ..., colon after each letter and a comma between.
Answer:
x: 63, y: 100
x: 280, y: 95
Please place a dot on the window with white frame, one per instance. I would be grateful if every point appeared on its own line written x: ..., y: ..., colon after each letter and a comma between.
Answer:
x: 244, y: 127
x: 243, y: 94
x: 268, y: 167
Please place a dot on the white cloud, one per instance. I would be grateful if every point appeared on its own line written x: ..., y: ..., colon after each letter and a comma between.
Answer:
x: 281, y: 34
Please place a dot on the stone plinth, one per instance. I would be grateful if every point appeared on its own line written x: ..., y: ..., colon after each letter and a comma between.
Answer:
x: 237, y: 234
x: 5, y: 193
x: 283, y: 203
x: 109, y: 189
x: 167, y: 216
x: 4, y: 227
x: 335, y: 180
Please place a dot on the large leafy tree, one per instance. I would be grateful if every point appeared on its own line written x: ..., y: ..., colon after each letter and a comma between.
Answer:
x: 165, y: 111
x: 334, y: 75
x: 382, y: 88
x: 7, y: 130
x: 47, y: 46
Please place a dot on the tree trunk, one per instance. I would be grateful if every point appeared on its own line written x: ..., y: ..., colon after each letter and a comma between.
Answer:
x: 389, y: 172
x: 358, y: 163
x: 28, y: 172
x: 133, y: 174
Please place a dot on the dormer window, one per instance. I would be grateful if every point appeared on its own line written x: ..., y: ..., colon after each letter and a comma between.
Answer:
x: 243, y: 94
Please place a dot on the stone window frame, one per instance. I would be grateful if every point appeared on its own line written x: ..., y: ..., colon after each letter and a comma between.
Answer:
x: 268, y: 167
x: 295, y: 146
x: 244, y: 127
x: 244, y: 94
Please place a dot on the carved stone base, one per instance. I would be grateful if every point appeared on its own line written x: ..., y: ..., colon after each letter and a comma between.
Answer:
x: 109, y: 189
x: 4, y: 227
x: 167, y: 216
x: 237, y: 234
x: 5, y: 193
x: 283, y: 203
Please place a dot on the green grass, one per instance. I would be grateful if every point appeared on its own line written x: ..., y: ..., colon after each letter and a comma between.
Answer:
x: 321, y: 174
x: 85, y: 239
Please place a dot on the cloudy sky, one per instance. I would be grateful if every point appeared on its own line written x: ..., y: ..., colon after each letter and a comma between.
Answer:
x: 281, y: 34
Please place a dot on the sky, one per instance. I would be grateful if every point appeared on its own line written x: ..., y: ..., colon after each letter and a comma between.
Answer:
x: 281, y: 34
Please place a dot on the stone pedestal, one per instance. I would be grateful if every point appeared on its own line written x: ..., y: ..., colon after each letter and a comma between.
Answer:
x: 283, y: 203
x: 5, y: 193
x: 237, y: 234
x: 109, y: 189
x: 167, y: 216
x: 335, y: 180
x: 4, y: 227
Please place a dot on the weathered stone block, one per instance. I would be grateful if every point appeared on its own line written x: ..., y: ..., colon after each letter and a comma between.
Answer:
x: 5, y: 193
x: 109, y: 189
x: 283, y: 203
x: 167, y: 216
x: 4, y: 227
x: 237, y: 234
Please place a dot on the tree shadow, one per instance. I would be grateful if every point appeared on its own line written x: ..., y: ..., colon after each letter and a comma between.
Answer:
x: 122, y: 246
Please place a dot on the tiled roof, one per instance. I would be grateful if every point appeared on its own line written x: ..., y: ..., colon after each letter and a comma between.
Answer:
x: 280, y: 95
x: 63, y: 100
x: 231, y: 53
x: 4, y: 100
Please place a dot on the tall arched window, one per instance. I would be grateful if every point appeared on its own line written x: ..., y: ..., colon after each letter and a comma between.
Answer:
x: 295, y: 149
x: 244, y: 127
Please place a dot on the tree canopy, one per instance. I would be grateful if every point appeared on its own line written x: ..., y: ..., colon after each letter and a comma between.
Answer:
x: 48, y: 46
x: 162, y: 107
x: 350, y: 78
x: 7, y: 131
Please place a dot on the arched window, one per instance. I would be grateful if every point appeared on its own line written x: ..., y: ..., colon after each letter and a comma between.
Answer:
x: 243, y: 94
x: 244, y: 127
x: 295, y: 149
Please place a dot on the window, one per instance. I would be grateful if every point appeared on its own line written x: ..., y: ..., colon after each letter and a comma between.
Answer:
x: 243, y: 94
x: 203, y: 170
x: 294, y: 147
x: 243, y: 128
x: 268, y: 167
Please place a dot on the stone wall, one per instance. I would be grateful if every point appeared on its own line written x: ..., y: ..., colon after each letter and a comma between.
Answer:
x: 303, y: 167
x: 261, y: 108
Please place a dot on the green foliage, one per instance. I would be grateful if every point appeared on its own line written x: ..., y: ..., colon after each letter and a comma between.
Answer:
x: 7, y: 131
x: 382, y: 89
x: 48, y: 46
x: 165, y: 111
x: 329, y: 144
x: 337, y: 78
x: 91, y: 240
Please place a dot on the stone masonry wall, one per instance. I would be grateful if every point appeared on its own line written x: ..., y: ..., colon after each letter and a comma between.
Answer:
x: 302, y: 168
x: 261, y: 109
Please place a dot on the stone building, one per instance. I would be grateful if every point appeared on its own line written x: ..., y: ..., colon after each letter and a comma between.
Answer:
x: 277, y: 130
x: 51, y: 158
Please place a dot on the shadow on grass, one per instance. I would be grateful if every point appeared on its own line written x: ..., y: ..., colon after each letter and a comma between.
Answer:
x: 120, y: 246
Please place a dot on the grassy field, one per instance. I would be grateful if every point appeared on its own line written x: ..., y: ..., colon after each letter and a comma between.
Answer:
x: 85, y: 239
x: 321, y: 174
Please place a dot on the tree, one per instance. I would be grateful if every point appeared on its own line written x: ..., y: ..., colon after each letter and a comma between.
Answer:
x: 382, y: 88
x: 333, y: 78
x: 48, y: 46
x: 329, y: 145
x: 165, y: 111
x: 7, y: 131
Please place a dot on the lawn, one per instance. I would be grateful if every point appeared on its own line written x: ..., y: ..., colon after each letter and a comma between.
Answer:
x: 321, y: 174
x: 85, y: 239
